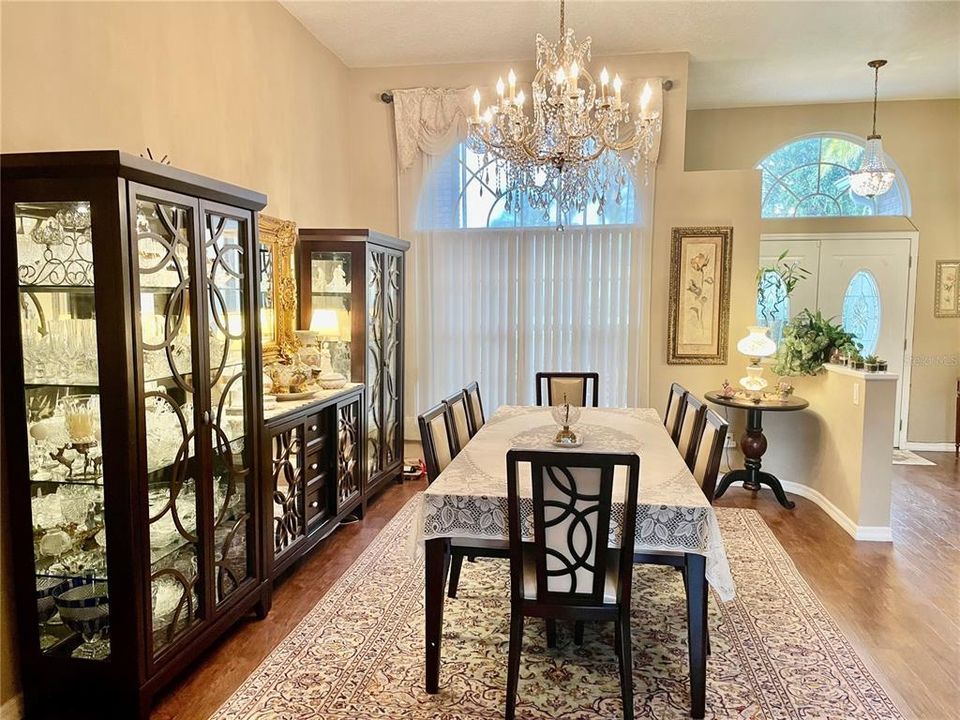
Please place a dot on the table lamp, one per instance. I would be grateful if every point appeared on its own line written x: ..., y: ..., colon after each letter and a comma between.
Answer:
x: 756, y: 346
x: 326, y: 325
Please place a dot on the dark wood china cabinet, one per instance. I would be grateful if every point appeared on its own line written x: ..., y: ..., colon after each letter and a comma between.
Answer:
x: 132, y: 420
x: 359, y: 275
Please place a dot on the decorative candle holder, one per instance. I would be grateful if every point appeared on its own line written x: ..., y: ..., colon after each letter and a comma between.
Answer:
x: 566, y: 415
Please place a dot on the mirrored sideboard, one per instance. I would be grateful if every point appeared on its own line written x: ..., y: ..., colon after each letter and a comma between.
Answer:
x: 132, y: 418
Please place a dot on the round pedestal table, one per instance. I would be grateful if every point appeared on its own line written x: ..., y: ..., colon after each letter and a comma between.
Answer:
x: 753, y: 444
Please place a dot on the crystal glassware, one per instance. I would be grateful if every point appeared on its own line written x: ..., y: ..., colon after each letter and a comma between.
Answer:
x: 565, y: 415
x: 86, y: 610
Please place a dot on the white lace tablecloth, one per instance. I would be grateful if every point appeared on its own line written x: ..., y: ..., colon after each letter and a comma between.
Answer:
x: 469, y: 499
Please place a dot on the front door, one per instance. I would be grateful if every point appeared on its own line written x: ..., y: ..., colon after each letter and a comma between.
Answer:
x: 863, y: 283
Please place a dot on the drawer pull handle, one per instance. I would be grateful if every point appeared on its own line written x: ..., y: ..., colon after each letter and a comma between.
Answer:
x: 314, y: 466
x: 313, y: 428
x: 315, y: 504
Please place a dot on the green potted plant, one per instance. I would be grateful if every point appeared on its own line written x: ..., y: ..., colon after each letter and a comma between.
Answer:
x: 881, y: 365
x: 808, y: 341
x: 856, y: 361
x: 870, y: 363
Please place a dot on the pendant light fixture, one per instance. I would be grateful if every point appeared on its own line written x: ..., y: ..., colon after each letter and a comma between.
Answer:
x: 873, y: 177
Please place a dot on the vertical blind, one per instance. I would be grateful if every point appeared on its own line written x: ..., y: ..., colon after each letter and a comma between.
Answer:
x: 508, y: 303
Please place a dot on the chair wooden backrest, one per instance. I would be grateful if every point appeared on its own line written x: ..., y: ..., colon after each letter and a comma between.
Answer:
x: 708, y: 452
x: 577, y: 388
x: 456, y: 406
x: 437, y: 438
x: 474, y: 407
x: 572, y: 508
x: 672, y: 415
x: 691, y: 415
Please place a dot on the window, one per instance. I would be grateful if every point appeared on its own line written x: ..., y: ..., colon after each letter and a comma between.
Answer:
x: 809, y: 177
x: 502, y: 294
x: 773, y: 304
x: 468, y: 192
x: 861, y: 310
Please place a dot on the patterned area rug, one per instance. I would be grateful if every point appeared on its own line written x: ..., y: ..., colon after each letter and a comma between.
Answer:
x: 359, y: 652
x: 908, y: 457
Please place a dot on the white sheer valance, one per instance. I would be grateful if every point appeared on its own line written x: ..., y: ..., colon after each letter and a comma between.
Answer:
x: 499, y: 304
x: 433, y: 120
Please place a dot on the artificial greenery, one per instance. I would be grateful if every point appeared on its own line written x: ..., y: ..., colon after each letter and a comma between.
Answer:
x: 808, y: 340
x: 790, y: 273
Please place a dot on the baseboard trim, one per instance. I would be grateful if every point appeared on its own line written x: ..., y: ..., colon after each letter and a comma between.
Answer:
x: 865, y: 533
x: 930, y: 446
x: 12, y: 709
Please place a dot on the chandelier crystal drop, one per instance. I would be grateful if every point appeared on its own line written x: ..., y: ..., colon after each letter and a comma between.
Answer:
x: 873, y: 177
x: 580, y: 142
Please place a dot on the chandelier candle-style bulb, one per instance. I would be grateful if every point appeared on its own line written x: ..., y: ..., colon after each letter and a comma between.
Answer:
x: 617, y: 85
x: 476, y: 104
x: 604, y: 81
x: 520, y: 99
x: 512, y: 80
x: 500, y: 87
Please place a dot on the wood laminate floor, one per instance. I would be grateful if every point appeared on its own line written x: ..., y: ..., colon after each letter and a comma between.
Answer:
x: 898, y: 604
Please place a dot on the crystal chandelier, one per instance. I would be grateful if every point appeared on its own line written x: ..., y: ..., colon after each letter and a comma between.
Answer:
x: 580, y: 142
x: 873, y: 177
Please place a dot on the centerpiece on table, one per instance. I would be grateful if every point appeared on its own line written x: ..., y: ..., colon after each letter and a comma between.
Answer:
x: 566, y: 415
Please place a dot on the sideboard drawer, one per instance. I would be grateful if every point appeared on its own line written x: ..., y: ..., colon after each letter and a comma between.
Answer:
x: 315, y: 427
x: 316, y: 506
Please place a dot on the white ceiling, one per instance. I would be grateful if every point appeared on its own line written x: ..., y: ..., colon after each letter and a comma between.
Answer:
x: 741, y: 53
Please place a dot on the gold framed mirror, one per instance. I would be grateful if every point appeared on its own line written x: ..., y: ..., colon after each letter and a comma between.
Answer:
x: 278, y: 288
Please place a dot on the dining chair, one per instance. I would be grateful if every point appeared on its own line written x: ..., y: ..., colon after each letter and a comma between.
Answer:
x: 474, y: 407
x: 456, y: 406
x: 437, y: 438
x: 691, y: 415
x: 576, y: 388
x: 568, y: 571
x: 672, y: 415
x: 708, y: 451
x: 439, y: 448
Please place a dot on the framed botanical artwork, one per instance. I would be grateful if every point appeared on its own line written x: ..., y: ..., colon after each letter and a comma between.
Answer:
x: 699, y: 295
x: 946, y: 300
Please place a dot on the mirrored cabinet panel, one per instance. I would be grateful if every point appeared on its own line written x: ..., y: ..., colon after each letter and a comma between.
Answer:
x: 131, y: 419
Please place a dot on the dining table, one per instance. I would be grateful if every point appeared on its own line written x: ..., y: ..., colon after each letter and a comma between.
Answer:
x: 467, y: 505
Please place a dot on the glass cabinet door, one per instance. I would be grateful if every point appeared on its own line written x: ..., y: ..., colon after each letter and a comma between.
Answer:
x: 376, y: 350
x: 330, y: 315
x: 167, y: 283
x: 58, y: 326
x: 227, y: 242
x: 392, y: 327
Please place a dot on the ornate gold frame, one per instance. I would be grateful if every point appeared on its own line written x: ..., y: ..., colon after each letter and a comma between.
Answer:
x: 281, y: 236
x: 674, y: 357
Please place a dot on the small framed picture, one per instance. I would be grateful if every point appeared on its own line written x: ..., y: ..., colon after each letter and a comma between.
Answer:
x: 699, y: 312
x: 946, y: 300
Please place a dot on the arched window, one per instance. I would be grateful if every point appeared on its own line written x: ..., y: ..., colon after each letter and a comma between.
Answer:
x: 809, y: 177
x: 773, y: 304
x: 466, y: 192
x: 861, y: 310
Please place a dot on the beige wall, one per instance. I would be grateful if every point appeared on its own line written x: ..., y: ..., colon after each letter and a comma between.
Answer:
x: 682, y: 198
x: 836, y: 447
x: 923, y: 137
x: 239, y: 91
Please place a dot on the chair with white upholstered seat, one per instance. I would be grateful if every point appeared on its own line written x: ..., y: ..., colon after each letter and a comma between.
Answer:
x: 577, y: 388
x: 569, y: 571
x: 474, y: 407
x: 672, y: 415
x: 459, y: 419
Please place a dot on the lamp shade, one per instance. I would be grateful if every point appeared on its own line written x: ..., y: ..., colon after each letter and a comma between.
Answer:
x: 757, y: 344
x: 325, y: 323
